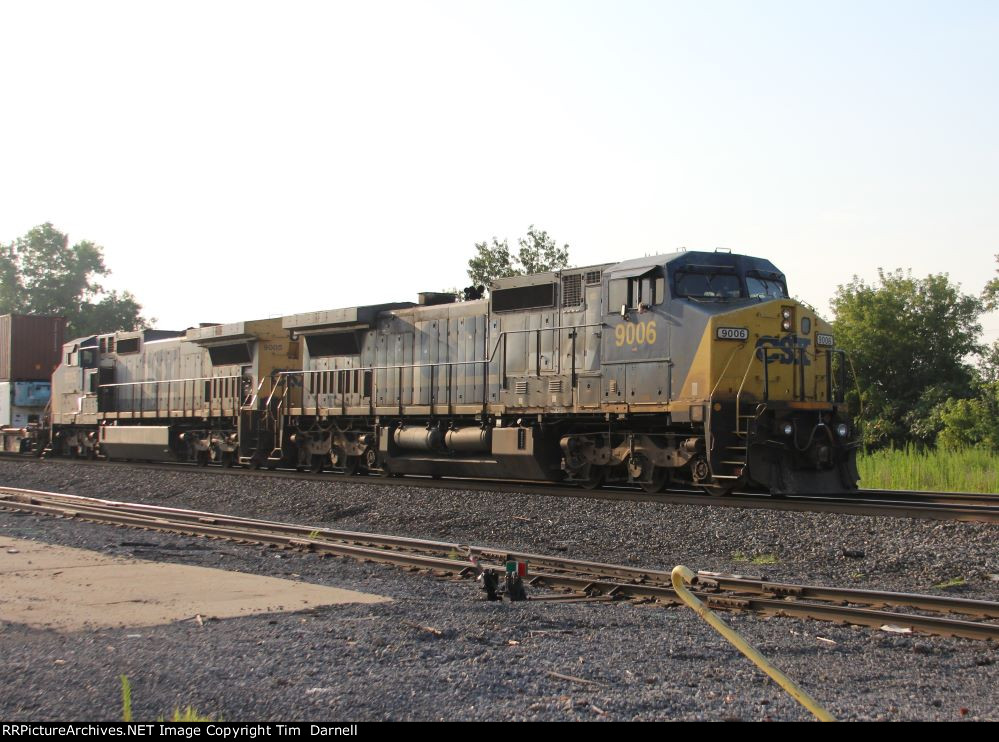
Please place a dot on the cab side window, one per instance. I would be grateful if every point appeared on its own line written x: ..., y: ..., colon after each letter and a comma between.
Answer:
x: 648, y: 289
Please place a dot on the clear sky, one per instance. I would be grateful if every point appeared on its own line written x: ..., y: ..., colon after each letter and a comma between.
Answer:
x: 246, y: 159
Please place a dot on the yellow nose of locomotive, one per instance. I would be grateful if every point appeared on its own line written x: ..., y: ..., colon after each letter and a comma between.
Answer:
x: 777, y: 412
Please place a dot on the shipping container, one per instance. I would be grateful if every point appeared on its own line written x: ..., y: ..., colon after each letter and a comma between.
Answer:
x: 23, y: 402
x: 30, y: 346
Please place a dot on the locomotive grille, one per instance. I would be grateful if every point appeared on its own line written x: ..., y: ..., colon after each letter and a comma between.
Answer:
x: 592, y: 277
x: 554, y: 386
x: 572, y: 290
x: 520, y: 387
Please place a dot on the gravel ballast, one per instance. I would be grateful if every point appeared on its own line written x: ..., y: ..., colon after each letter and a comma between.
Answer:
x: 439, y: 651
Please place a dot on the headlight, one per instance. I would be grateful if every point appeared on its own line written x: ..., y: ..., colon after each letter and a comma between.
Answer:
x: 788, y: 429
x: 842, y: 430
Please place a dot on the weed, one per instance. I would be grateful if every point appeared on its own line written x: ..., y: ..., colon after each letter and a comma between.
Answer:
x: 739, y: 558
x: 126, y: 699
x: 968, y: 470
x: 188, y: 714
x: 313, y: 534
x: 953, y: 582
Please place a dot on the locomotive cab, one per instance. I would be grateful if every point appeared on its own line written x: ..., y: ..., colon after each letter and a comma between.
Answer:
x: 762, y: 375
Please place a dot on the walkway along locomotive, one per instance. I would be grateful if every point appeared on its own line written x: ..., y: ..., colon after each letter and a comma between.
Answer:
x: 691, y: 368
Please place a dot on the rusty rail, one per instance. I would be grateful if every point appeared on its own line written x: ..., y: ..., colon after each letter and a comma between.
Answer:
x: 589, y: 579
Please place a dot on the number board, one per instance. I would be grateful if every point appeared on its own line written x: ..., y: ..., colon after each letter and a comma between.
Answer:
x: 733, y: 333
x: 826, y: 341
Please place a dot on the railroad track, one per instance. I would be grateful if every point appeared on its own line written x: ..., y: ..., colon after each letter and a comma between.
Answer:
x: 577, y: 580
x: 959, y: 506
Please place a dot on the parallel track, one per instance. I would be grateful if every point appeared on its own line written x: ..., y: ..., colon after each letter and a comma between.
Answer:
x: 584, y: 580
x: 959, y: 506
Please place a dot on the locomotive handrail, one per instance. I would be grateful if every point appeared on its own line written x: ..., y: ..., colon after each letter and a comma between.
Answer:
x: 490, y: 359
x: 766, y: 385
x: 500, y: 341
x: 735, y: 352
x: 164, y: 381
x: 169, y: 385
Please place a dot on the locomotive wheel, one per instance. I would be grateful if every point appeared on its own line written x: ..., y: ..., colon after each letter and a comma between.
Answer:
x: 351, y: 465
x: 202, y: 458
x: 660, y: 478
x: 228, y: 459
x: 316, y: 464
x: 595, y: 480
x: 717, y: 490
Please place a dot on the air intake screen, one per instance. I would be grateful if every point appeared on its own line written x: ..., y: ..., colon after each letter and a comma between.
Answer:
x: 572, y: 290
x: 524, y: 297
x: 228, y: 354
x: 131, y: 345
x: 335, y: 344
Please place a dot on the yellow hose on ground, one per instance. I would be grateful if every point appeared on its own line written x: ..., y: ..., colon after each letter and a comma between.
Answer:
x: 681, y: 576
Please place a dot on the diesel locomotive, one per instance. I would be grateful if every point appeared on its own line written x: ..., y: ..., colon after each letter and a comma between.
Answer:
x: 688, y: 369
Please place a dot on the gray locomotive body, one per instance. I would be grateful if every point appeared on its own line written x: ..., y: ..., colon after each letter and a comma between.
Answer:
x: 648, y: 371
x: 690, y: 367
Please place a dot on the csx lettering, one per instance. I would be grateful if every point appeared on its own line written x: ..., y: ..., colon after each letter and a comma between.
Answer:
x: 788, y: 348
x: 632, y: 333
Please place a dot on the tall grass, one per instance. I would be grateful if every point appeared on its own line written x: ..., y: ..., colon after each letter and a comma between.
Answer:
x: 968, y: 470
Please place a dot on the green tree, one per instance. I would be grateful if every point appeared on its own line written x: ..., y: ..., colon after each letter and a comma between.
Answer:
x: 909, y: 340
x: 990, y: 296
x: 41, y: 273
x: 491, y: 261
x: 537, y: 253
x: 974, y: 421
x: 969, y: 423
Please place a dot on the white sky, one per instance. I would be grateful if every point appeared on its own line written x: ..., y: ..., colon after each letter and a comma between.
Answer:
x: 246, y: 159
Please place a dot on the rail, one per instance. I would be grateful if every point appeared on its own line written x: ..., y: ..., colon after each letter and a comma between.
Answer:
x: 588, y: 580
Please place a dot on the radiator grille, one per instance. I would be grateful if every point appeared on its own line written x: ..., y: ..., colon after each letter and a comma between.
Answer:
x: 572, y: 290
x: 555, y: 386
x: 520, y: 387
x: 592, y: 277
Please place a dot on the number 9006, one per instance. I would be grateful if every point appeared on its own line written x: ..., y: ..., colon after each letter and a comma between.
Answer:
x: 635, y: 333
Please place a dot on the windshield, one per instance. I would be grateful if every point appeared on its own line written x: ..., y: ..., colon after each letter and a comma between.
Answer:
x: 708, y: 285
x: 763, y: 288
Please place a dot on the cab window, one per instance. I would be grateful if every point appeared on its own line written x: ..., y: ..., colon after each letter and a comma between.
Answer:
x: 708, y: 285
x: 647, y: 289
x: 765, y: 288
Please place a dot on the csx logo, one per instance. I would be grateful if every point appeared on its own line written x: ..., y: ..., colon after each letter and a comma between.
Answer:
x: 788, y: 348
